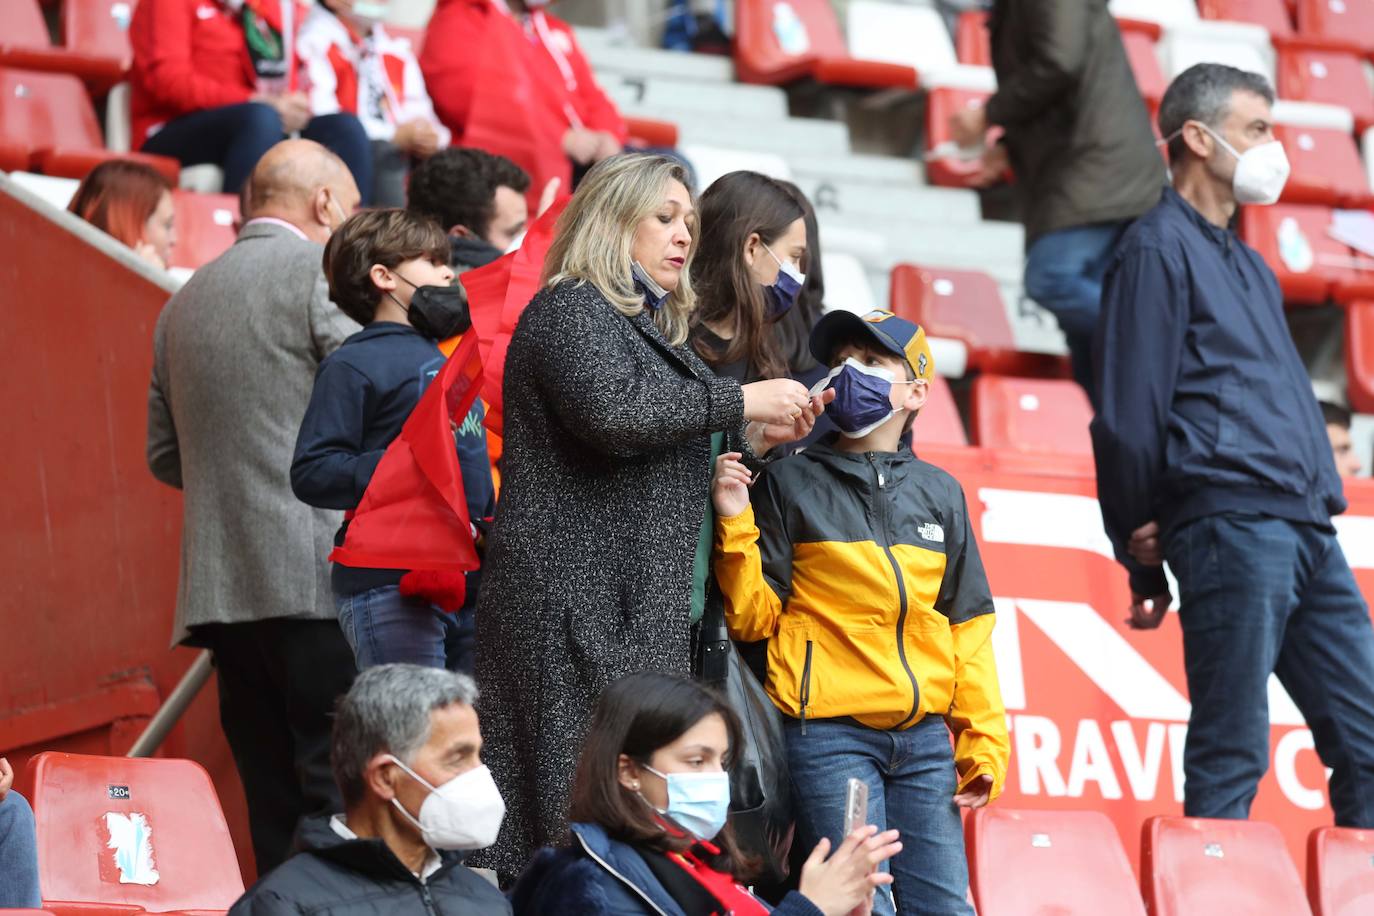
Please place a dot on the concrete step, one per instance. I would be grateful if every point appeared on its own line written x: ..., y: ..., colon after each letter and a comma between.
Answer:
x: 856, y: 167
x: 785, y: 137
x: 643, y: 62
x: 892, y: 202
x: 673, y: 97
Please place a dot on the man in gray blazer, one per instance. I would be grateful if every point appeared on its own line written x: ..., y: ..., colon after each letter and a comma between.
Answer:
x: 234, y: 359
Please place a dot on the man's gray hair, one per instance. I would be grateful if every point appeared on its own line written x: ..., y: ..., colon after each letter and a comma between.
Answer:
x: 1203, y: 93
x: 387, y: 710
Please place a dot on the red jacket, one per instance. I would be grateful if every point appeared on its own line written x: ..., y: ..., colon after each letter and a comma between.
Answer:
x: 189, y: 55
x: 453, y: 66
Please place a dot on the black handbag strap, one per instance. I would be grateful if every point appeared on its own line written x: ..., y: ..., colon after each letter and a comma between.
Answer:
x: 713, y: 640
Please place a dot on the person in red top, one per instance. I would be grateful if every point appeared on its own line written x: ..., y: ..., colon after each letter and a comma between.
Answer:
x: 509, y: 78
x: 212, y: 84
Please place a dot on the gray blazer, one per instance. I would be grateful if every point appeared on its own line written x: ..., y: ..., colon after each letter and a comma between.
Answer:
x: 234, y: 360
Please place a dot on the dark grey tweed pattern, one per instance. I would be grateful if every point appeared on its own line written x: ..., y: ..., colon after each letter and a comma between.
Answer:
x: 605, y: 482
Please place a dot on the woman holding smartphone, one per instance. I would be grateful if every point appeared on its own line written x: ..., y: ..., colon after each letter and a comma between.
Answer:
x: 649, y: 808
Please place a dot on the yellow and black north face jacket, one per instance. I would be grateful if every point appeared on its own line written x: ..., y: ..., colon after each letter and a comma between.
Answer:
x: 861, y: 571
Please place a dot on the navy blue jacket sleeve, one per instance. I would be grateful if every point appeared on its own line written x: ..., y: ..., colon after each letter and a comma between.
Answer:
x: 1140, y: 339
x: 331, y: 468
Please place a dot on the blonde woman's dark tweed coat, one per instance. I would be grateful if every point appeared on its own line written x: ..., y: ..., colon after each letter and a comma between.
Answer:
x: 588, y: 573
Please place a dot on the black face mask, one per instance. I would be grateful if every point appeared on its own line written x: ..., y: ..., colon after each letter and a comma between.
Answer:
x: 439, y: 312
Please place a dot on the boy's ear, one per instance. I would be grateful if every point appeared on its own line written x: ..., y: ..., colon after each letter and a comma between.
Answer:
x: 917, y: 398
x: 382, y: 278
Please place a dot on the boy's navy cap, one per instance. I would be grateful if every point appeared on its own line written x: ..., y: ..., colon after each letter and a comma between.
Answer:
x: 896, y: 335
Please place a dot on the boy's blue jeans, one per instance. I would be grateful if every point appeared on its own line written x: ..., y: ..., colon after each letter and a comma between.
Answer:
x: 384, y: 626
x: 1261, y: 595
x: 911, y: 782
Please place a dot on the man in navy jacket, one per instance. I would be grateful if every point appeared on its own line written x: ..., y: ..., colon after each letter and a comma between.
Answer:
x: 1211, y: 453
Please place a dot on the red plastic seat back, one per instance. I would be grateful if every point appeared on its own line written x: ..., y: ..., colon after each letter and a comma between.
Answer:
x: 82, y: 804
x: 1307, y: 74
x: 99, y: 28
x: 972, y: 43
x: 1272, y: 14
x: 939, y: 423
x: 1149, y: 77
x: 1340, y: 879
x: 1326, y: 167
x: 777, y: 41
x: 1064, y: 861
x: 24, y: 26
x: 965, y: 305
x: 1293, y: 240
x: 1194, y: 865
x: 1031, y: 416
x: 1343, y: 22
x: 1359, y: 360
x: 46, y: 109
x: 205, y: 227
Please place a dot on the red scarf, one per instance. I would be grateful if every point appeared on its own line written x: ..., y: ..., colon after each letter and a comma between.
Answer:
x: 734, y: 898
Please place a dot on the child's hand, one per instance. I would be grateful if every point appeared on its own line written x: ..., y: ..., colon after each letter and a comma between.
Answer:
x: 977, y: 793
x: 730, y: 488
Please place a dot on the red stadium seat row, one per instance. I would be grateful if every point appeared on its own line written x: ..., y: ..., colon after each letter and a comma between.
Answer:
x: 779, y: 42
x: 1074, y: 862
x: 1311, y: 266
x: 95, y: 43
x: 48, y: 124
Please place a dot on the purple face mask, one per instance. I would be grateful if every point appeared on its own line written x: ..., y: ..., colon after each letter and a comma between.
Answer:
x: 863, y: 397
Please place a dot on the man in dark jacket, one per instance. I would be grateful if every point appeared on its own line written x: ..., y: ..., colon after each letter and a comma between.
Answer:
x: 406, y: 751
x: 476, y: 197
x: 1210, y: 445
x: 1079, y: 143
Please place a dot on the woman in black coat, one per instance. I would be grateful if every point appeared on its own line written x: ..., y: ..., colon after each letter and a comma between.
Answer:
x: 606, y: 478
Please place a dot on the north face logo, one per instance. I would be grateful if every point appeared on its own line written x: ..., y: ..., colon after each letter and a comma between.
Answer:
x: 932, y: 532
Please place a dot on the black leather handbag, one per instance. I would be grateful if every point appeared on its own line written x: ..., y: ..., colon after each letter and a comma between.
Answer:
x: 760, y: 788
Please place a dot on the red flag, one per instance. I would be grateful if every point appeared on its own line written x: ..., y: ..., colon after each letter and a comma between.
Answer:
x: 413, y: 514
x: 497, y: 294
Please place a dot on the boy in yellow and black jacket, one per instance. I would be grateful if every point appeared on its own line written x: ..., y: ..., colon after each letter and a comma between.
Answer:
x: 857, y: 562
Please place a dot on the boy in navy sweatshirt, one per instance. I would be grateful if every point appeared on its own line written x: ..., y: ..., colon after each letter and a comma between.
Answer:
x: 388, y: 270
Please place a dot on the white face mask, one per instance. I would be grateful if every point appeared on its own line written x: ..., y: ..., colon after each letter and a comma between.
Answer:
x: 464, y: 813
x: 370, y: 11
x: 1261, y: 171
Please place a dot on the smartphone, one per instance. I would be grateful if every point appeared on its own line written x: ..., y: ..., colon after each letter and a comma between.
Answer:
x: 855, y: 806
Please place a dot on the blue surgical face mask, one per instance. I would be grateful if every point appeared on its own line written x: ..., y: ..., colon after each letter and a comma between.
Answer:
x: 654, y: 295
x: 863, y: 397
x: 783, y: 293
x: 697, y: 802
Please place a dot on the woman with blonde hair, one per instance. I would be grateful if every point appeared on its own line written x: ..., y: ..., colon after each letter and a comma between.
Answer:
x: 593, y: 566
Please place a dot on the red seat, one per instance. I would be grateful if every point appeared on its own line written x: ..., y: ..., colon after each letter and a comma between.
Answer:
x: 1031, y: 416
x: 205, y: 227
x: 939, y: 423
x: 967, y: 306
x: 1194, y: 865
x: 84, y: 805
x: 972, y: 44
x: 1311, y: 266
x: 1342, y: 23
x: 1140, y: 52
x: 782, y: 41
x: 1340, y: 881
x: 98, y: 31
x: 1308, y: 73
x: 51, y: 115
x: 1272, y: 14
x: 1326, y: 167
x: 1064, y: 861
x: 941, y: 103
x: 25, y: 44
x: 1359, y: 361
x: 651, y: 132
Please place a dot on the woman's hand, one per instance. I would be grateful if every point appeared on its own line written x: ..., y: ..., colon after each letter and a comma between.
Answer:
x: 730, y: 486
x: 764, y: 437
x: 778, y: 401
x: 839, y: 884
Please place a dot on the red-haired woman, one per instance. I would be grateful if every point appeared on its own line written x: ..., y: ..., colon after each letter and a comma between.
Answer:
x: 133, y: 203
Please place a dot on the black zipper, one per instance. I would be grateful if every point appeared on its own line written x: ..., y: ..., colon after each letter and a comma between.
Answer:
x: 429, y: 901
x: 805, y: 686
x: 885, y: 542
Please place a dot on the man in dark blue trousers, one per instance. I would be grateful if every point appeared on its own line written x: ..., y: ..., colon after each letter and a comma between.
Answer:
x: 1212, y: 455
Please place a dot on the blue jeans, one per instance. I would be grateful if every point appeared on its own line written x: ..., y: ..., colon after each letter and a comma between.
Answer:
x: 1064, y: 272
x: 235, y: 137
x: 911, y: 782
x: 384, y: 626
x: 18, y: 855
x: 1261, y: 595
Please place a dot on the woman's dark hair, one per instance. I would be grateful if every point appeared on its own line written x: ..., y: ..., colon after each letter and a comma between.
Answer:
x: 792, y: 333
x: 733, y: 208
x: 636, y: 716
